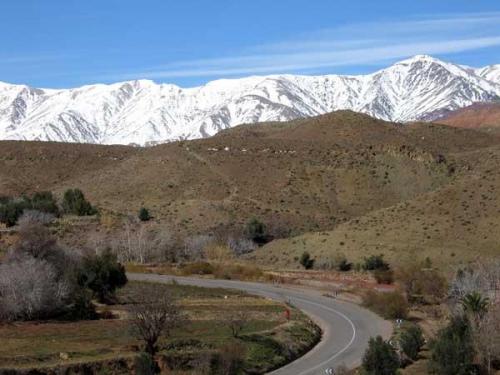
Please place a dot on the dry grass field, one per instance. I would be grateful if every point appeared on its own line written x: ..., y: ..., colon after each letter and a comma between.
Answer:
x: 52, y: 344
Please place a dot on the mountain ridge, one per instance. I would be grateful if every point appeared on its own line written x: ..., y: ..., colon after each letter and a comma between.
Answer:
x: 142, y: 112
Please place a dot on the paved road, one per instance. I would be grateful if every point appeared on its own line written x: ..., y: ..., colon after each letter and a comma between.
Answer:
x: 346, y: 327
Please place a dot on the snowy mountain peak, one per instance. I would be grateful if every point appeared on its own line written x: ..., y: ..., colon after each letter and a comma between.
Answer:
x: 143, y: 112
x: 420, y: 58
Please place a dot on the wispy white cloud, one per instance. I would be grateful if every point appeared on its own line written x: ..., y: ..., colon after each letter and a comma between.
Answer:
x: 343, y: 46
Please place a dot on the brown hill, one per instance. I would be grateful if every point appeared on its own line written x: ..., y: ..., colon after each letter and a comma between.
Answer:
x: 484, y: 116
x: 456, y: 223
x: 307, y: 175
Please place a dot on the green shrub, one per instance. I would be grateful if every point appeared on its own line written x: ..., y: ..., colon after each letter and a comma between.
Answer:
x: 452, y: 352
x: 341, y: 263
x: 380, y: 358
x: 144, y: 214
x: 411, y: 340
x: 12, y: 209
x: 144, y: 364
x: 74, y: 202
x: 45, y: 202
x: 375, y: 262
x: 306, y: 261
x: 256, y: 231
x: 81, y: 307
x: 390, y: 305
x: 102, y: 274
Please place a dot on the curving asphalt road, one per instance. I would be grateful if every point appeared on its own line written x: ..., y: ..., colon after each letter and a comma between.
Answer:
x: 346, y: 327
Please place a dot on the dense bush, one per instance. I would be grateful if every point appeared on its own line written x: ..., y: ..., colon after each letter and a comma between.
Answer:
x: 198, y: 268
x: 411, y: 340
x: 37, y: 279
x: 452, y: 352
x: 102, y: 274
x: 74, y: 203
x: 380, y: 358
x: 375, y: 262
x: 422, y: 283
x: 223, y: 270
x: 11, y: 209
x: 390, y: 305
x: 256, y: 231
x: 343, y: 265
x: 45, y: 202
x: 237, y: 272
x: 306, y: 261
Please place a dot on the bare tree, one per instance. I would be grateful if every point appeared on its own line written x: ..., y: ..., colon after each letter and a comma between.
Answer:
x: 475, y: 291
x: 237, y: 321
x: 144, y: 243
x: 30, y: 289
x: 481, y: 277
x: 486, y: 336
x: 154, y: 315
x: 241, y: 246
x: 36, y: 241
x: 218, y: 253
x: 35, y: 217
x: 194, y: 247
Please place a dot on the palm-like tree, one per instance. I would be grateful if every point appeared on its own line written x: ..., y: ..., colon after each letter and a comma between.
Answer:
x: 475, y: 304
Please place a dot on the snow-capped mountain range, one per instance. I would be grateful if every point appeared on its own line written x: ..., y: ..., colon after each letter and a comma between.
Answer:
x: 143, y: 112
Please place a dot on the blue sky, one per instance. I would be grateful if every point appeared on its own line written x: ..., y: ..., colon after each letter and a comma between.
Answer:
x: 67, y: 43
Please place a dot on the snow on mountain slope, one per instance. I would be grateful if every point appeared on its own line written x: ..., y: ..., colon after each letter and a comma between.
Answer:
x: 143, y: 112
x: 490, y: 73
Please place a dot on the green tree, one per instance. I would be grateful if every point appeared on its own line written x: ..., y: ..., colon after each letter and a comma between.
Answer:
x: 452, y: 352
x: 256, y: 231
x: 380, y: 358
x: 306, y: 261
x: 144, y: 214
x: 74, y: 202
x: 102, y: 274
x: 411, y: 340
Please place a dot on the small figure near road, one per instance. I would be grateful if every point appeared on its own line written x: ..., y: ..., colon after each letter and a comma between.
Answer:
x: 287, y: 314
